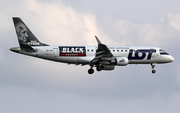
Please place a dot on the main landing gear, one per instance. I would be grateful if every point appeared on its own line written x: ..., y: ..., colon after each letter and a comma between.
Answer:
x: 98, y: 68
x: 91, y: 70
x: 153, y: 70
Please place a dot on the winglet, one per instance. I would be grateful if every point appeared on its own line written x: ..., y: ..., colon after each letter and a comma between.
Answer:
x: 99, y: 42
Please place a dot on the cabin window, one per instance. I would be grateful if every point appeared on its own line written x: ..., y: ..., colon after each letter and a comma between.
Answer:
x: 113, y: 50
x: 121, y: 50
x: 92, y: 50
x: 118, y: 50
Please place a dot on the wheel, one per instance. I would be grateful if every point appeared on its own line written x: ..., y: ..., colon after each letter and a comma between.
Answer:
x: 99, y: 68
x: 91, y: 71
x: 153, y: 71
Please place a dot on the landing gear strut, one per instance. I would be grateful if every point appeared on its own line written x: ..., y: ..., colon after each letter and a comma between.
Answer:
x: 153, y: 70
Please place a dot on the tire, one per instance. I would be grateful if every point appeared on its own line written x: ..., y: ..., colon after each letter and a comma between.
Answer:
x: 153, y: 71
x: 99, y: 68
x: 91, y: 71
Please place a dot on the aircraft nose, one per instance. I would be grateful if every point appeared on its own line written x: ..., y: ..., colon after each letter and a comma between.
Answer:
x: 171, y: 58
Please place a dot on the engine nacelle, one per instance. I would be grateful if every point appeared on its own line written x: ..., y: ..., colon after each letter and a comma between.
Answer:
x: 108, y: 68
x: 122, y: 61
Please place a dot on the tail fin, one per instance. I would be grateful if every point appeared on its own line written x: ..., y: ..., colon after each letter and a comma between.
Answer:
x: 25, y: 37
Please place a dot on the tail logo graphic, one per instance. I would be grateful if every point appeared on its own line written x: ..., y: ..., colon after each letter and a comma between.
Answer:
x: 22, y: 32
x: 24, y: 35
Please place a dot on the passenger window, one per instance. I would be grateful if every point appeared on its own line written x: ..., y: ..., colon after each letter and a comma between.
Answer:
x: 92, y: 50
x: 117, y: 50
x: 121, y: 50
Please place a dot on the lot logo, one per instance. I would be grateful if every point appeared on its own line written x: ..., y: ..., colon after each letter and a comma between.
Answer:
x: 72, y: 51
x: 141, y: 54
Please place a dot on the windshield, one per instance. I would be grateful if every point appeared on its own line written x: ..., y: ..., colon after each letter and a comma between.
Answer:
x: 162, y: 52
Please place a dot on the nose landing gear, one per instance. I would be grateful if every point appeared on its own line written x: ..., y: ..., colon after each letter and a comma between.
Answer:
x: 153, y: 66
x: 153, y: 71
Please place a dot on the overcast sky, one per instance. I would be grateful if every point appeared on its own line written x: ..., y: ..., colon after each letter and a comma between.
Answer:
x: 31, y: 85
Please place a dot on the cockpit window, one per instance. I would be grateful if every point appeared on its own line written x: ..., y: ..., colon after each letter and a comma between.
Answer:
x: 162, y: 52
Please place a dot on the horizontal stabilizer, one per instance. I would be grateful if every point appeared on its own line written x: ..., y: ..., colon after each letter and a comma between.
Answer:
x: 27, y: 48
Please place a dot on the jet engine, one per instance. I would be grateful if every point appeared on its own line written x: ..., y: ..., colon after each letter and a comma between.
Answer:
x: 121, y: 61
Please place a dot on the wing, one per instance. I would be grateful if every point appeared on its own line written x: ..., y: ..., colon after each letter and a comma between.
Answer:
x: 103, y: 54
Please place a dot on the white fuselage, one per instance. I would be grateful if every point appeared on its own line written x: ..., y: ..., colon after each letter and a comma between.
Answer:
x: 102, y: 57
x: 69, y: 54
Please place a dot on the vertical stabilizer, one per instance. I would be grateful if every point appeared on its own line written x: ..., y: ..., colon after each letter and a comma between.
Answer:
x: 25, y: 37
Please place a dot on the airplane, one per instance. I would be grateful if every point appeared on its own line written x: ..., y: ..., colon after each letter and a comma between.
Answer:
x: 101, y: 57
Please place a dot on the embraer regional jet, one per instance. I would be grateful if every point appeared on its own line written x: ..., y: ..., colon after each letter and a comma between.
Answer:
x: 102, y: 57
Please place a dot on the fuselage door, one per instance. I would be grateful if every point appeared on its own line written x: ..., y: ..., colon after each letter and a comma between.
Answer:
x: 152, y: 51
x: 55, y: 52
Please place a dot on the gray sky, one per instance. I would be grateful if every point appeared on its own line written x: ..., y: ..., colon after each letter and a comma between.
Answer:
x: 29, y: 84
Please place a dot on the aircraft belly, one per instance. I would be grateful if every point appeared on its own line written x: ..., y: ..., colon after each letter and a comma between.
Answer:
x: 72, y: 60
x: 84, y: 60
x: 139, y: 62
